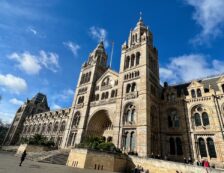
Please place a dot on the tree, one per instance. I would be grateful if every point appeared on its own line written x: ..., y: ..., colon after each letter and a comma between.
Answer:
x: 3, y: 130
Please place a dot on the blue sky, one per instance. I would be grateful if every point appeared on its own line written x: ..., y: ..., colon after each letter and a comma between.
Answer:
x: 44, y: 43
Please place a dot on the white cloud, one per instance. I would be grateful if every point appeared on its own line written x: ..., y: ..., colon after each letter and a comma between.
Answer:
x: 188, y: 67
x: 32, y: 64
x: 7, y: 117
x: 15, y: 101
x: 13, y: 83
x: 55, y: 106
x: 49, y: 60
x: 98, y: 34
x: 27, y: 62
x: 73, y: 47
x: 32, y: 30
x: 209, y: 15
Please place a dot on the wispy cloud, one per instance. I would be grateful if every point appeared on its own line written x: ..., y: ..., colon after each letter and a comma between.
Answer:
x: 15, y: 101
x: 32, y: 30
x: 98, y: 34
x: 188, y: 67
x: 13, y: 83
x: 32, y: 64
x: 73, y: 47
x: 55, y: 107
x: 209, y: 15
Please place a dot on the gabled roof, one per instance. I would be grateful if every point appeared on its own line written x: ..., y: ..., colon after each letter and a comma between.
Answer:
x: 108, y: 72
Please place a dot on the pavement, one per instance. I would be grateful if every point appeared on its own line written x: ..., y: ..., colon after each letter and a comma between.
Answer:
x: 10, y: 164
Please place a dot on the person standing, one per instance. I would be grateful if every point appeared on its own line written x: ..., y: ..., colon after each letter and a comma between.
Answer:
x: 22, y: 158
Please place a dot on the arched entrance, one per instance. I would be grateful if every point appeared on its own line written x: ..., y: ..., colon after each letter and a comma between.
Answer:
x: 100, y: 125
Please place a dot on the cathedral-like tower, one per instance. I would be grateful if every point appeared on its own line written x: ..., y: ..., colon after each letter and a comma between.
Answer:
x: 91, y: 70
x: 138, y: 92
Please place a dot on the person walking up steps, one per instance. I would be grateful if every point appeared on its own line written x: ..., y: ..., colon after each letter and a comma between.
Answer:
x: 22, y: 158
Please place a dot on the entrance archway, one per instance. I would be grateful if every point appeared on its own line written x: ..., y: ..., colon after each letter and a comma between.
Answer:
x: 100, y: 125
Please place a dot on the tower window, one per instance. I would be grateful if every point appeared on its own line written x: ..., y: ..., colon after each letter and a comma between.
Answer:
x: 205, y: 119
x: 137, y: 58
x: 197, y: 119
x: 193, y: 95
x: 172, y: 146
x: 199, y: 93
x: 202, y: 147
x: 132, y: 60
x: 211, y: 148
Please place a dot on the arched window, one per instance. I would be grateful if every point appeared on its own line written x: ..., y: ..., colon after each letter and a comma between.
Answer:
x: 127, y: 140
x: 97, y: 97
x: 55, y: 127
x: 106, y: 95
x: 102, y: 96
x: 179, y: 146
x: 211, y: 148
x: 128, y: 88
x: 132, y: 60
x: 133, y: 87
x: 49, y: 127
x: 129, y: 114
x: 38, y: 128
x: 172, y: 146
x: 112, y: 93
x: 202, y: 147
x: 132, y: 141
x: 199, y: 92
x: 62, y: 128
x: 81, y: 99
x: 34, y: 128
x: 173, y: 119
x: 205, y: 119
x: 197, y: 119
x: 136, y: 37
x: 170, y: 123
x: 127, y: 62
x: 76, y: 119
x: 43, y: 128
x: 193, y: 95
x: 223, y: 88
x: 137, y: 58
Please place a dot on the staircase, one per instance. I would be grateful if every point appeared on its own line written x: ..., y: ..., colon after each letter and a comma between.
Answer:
x: 54, y: 157
x: 59, y: 158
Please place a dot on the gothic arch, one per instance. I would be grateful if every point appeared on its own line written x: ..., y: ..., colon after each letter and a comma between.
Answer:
x: 99, y: 123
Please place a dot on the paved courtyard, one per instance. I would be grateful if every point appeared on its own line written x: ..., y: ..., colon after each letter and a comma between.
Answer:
x: 9, y: 164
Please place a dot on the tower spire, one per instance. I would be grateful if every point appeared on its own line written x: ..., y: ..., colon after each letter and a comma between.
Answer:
x: 140, y: 18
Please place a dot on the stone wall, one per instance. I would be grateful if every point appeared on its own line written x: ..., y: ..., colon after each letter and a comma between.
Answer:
x: 31, y: 148
x: 83, y: 158
x: 162, y: 166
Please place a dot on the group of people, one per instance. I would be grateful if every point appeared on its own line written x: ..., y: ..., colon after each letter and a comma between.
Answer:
x: 205, y: 163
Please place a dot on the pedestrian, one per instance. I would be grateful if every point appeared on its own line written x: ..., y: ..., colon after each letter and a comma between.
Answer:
x: 198, y: 163
x: 206, y: 164
x: 22, y: 158
x: 185, y: 160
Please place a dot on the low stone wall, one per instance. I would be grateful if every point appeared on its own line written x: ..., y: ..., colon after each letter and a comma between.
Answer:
x: 10, y: 148
x: 83, y: 158
x: 31, y: 148
x: 162, y: 166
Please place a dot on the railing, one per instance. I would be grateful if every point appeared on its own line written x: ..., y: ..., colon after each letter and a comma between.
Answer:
x: 102, y: 102
x: 131, y: 95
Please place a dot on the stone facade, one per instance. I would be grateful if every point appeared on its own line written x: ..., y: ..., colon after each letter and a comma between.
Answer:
x: 134, y: 111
